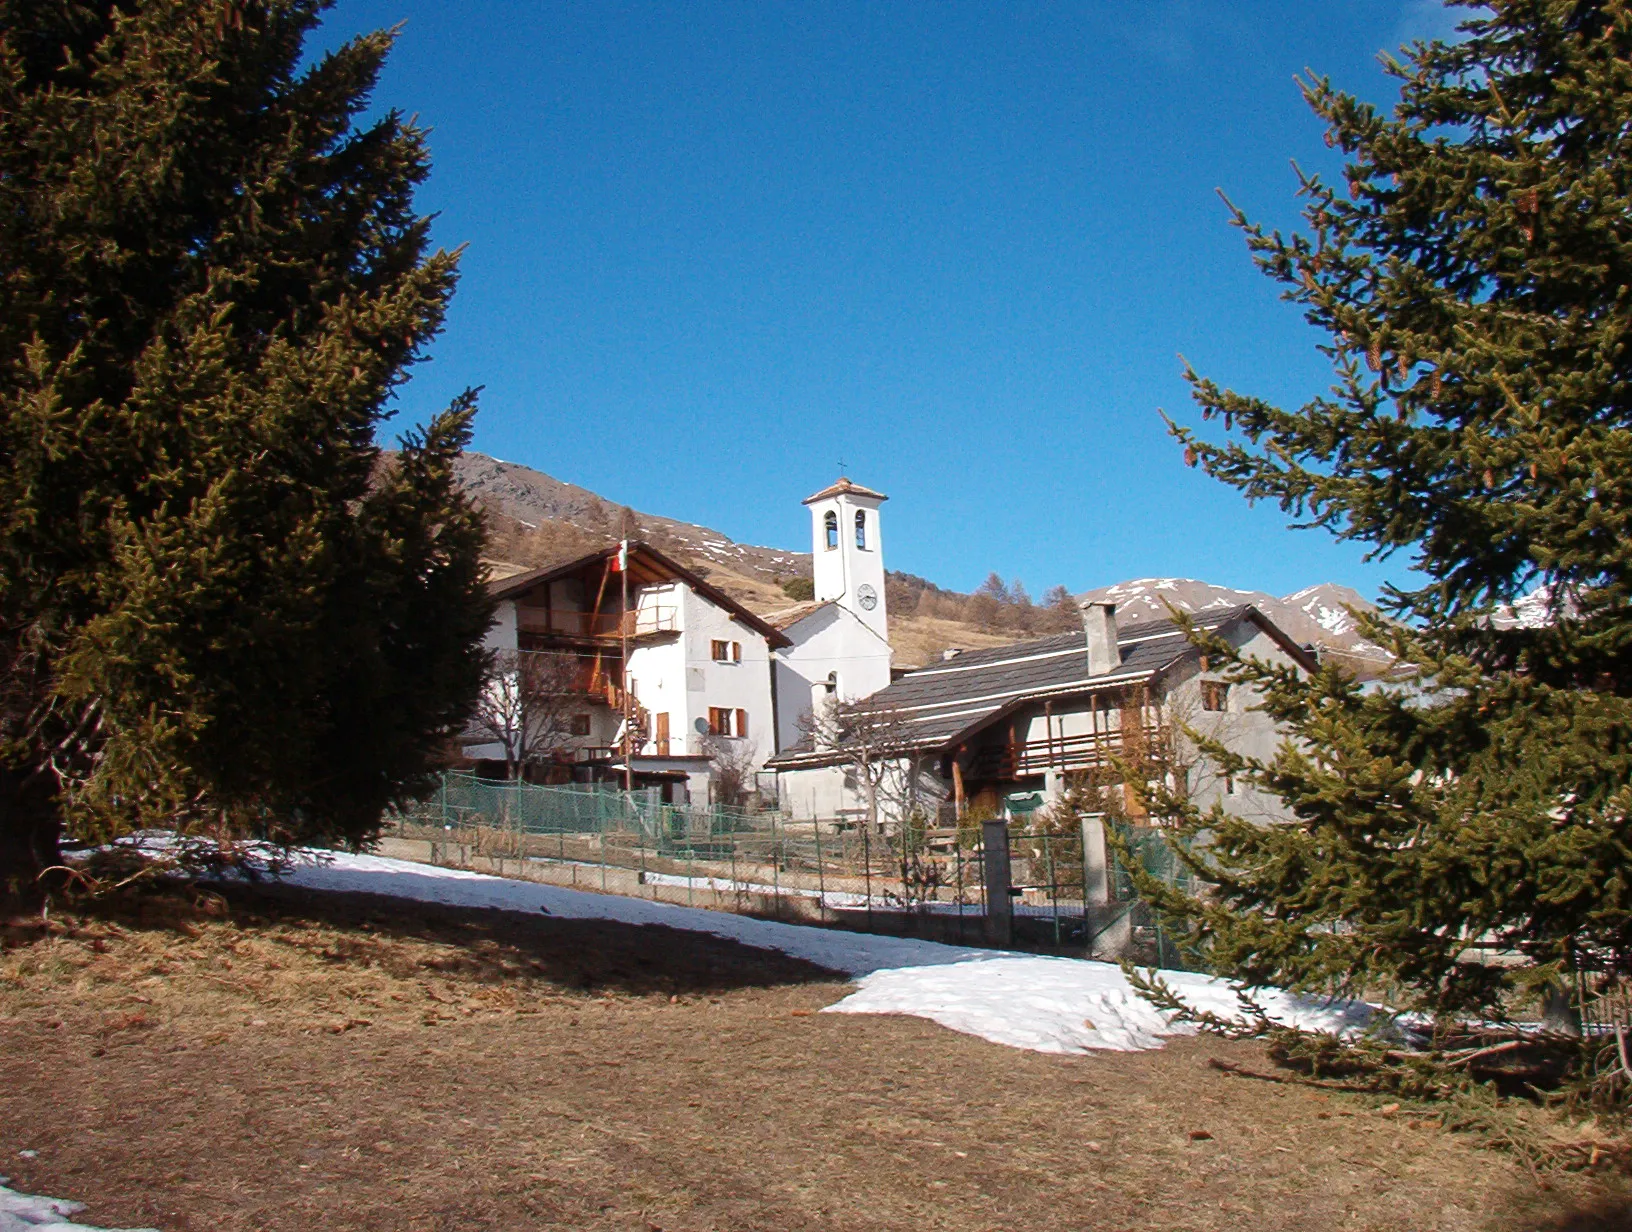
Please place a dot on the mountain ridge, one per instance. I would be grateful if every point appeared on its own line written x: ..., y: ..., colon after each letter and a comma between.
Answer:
x: 537, y: 519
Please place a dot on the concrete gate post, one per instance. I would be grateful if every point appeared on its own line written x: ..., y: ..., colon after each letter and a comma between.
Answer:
x: 1096, y: 865
x: 994, y: 838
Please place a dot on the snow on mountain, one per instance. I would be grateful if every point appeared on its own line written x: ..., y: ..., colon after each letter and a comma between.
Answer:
x: 1535, y: 610
x: 1317, y: 614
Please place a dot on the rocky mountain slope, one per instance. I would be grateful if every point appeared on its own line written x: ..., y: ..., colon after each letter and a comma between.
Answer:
x: 538, y: 519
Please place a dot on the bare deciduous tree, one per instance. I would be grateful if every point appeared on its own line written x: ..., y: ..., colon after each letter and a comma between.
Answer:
x: 528, y: 704
x: 734, y: 761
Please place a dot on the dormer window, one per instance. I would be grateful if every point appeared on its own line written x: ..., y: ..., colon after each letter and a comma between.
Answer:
x: 861, y: 529
x: 830, y: 523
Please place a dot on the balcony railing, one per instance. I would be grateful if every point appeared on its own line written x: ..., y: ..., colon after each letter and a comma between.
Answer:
x: 1024, y: 759
x: 598, y: 626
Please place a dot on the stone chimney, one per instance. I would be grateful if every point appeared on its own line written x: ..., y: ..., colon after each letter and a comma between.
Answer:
x: 1099, y: 623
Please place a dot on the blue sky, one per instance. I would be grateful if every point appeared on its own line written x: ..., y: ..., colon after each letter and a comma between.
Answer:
x: 715, y: 248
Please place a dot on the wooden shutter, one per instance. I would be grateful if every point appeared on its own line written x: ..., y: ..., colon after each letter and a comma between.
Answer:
x: 663, y: 734
x: 742, y: 722
x: 736, y: 652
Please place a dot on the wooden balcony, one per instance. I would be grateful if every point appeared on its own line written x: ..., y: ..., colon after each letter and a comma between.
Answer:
x: 641, y: 623
x: 1027, y: 759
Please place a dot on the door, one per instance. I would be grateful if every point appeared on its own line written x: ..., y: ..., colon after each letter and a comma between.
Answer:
x: 663, y: 734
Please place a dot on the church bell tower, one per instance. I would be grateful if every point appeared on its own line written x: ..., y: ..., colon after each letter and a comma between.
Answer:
x: 847, y: 551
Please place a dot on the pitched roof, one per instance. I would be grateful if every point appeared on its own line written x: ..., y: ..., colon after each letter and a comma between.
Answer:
x: 950, y: 700
x: 646, y: 566
x: 790, y: 616
x: 843, y: 486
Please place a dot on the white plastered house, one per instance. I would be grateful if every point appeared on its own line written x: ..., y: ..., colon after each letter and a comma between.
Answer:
x: 689, y: 666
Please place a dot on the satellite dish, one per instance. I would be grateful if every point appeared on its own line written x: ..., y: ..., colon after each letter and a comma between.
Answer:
x: 702, y: 727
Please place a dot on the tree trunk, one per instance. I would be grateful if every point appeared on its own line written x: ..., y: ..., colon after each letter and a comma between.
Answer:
x: 30, y: 837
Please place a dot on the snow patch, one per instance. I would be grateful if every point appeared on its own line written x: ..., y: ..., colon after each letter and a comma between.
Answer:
x: 1064, y: 1005
x: 21, y: 1212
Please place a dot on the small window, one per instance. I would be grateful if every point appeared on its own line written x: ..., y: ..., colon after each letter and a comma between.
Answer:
x: 832, y: 682
x: 830, y: 523
x: 1229, y: 784
x: 720, y: 651
x: 726, y: 722
x: 1215, y: 695
x: 861, y: 529
x: 580, y: 725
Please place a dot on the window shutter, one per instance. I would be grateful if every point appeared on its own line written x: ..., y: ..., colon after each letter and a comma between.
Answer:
x: 736, y: 652
x: 742, y: 722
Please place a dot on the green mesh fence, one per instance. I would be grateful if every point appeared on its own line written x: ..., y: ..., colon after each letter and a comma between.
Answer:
x: 465, y: 799
x: 919, y: 880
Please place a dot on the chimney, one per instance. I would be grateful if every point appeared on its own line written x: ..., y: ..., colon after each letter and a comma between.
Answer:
x: 950, y: 653
x: 1099, y: 623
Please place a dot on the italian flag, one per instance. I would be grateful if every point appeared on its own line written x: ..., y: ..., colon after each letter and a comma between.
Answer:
x: 620, y: 562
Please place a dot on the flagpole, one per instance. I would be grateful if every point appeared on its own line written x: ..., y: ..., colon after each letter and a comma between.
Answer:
x: 623, y: 637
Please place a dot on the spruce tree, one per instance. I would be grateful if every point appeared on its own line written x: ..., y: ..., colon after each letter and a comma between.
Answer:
x: 1473, y: 272
x: 220, y: 604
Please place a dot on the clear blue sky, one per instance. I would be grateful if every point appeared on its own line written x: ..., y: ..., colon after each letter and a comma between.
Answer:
x: 716, y: 247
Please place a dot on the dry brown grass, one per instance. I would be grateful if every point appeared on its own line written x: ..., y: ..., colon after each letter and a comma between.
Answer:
x: 281, y: 1060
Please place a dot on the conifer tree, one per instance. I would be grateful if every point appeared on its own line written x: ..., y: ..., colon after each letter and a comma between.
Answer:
x: 1474, y: 275
x: 220, y: 604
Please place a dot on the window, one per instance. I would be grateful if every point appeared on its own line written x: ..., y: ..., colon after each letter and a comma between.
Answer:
x: 861, y: 529
x: 830, y: 523
x: 580, y: 725
x: 832, y: 683
x: 723, y: 721
x: 725, y: 652
x: 1215, y: 695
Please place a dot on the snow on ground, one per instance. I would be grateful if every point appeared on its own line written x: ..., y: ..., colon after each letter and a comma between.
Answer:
x: 1024, y: 1001
x: 25, y: 1213
x: 1068, y: 1005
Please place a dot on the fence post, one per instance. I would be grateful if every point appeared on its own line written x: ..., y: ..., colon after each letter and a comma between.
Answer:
x: 1053, y: 886
x: 776, y: 869
x: 821, y: 876
x: 994, y: 837
x: 867, y: 869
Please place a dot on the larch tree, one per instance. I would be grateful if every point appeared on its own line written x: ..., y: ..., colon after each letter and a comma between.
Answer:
x: 1473, y: 272
x: 221, y: 605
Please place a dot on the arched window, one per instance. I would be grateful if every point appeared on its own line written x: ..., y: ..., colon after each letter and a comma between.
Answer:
x: 861, y: 529
x: 831, y: 523
x: 832, y: 684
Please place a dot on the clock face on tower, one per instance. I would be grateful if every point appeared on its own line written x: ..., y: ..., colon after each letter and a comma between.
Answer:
x: 867, y: 597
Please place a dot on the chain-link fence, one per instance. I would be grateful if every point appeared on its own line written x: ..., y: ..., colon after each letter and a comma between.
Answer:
x: 909, y: 880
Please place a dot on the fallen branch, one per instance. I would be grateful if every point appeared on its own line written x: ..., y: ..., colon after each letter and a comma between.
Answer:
x: 1241, y: 1071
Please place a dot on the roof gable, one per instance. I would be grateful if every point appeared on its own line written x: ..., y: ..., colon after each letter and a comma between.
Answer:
x: 647, y: 567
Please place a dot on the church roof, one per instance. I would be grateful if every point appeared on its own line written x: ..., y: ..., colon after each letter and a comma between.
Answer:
x: 843, y: 487
x: 790, y: 616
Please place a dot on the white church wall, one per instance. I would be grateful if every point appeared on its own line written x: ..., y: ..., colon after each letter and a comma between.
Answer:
x: 830, y: 639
